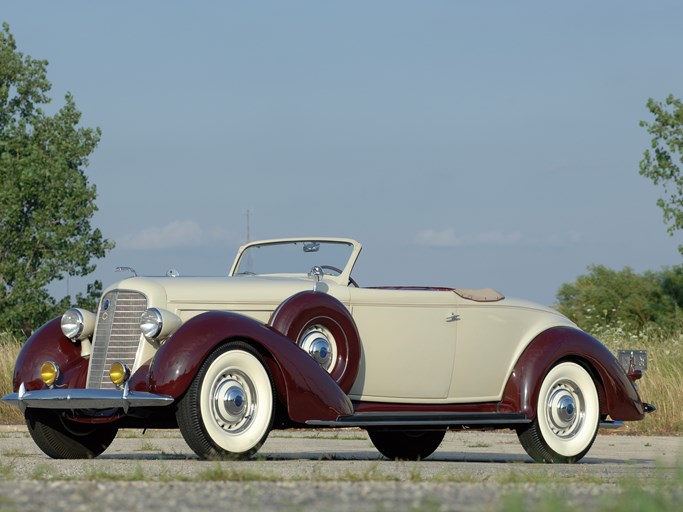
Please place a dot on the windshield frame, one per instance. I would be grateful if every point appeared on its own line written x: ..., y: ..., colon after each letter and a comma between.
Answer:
x: 342, y: 278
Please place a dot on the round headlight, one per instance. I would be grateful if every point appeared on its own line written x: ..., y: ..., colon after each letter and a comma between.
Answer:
x: 78, y: 324
x: 49, y: 373
x: 151, y: 323
x: 73, y: 323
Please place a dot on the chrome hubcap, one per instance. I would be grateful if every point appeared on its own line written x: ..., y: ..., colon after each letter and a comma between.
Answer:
x: 318, y: 342
x: 320, y: 350
x: 565, y: 410
x: 233, y: 401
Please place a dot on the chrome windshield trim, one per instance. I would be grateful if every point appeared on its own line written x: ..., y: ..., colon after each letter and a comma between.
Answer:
x: 85, y: 399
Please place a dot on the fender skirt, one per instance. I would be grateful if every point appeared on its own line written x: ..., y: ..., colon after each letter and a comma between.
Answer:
x: 307, y: 390
x: 617, y: 394
x: 49, y: 344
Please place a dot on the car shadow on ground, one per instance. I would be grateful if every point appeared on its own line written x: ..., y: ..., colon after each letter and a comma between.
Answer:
x: 367, y: 456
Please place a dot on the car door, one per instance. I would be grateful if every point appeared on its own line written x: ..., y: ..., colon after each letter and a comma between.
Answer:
x: 408, y: 342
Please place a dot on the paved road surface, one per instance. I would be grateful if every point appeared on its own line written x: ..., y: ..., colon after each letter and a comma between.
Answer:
x: 332, y: 470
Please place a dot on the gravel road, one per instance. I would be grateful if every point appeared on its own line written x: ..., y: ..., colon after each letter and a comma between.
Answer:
x: 333, y: 470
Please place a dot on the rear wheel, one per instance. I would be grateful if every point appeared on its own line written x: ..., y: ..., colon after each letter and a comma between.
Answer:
x: 228, y: 409
x: 567, y: 416
x: 406, y: 444
x: 60, y: 438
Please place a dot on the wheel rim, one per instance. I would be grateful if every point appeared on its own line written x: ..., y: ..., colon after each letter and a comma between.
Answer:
x: 233, y: 404
x: 565, y: 410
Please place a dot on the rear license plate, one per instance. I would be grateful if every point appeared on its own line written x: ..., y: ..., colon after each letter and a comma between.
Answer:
x: 632, y: 359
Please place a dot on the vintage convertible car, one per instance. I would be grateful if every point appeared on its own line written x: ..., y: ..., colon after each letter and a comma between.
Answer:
x: 289, y: 339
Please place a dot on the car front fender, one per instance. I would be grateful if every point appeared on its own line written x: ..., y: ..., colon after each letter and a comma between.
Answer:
x: 307, y: 390
x: 49, y: 344
x: 618, y: 396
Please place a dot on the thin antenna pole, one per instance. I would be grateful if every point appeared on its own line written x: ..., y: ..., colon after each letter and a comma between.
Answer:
x: 250, y: 261
x: 248, y: 225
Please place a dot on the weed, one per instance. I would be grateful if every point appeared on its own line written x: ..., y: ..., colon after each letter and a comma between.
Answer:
x: 6, y: 470
x: 477, y: 445
x: 149, y: 447
x: 9, y: 350
x: 99, y: 474
x: 44, y: 472
x: 14, y: 453
x: 217, y: 473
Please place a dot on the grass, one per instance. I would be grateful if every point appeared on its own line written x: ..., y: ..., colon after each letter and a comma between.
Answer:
x: 517, y: 492
x: 147, y: 446
x: 661, y: 384
x: 9, y: 349
x: 657, y: 498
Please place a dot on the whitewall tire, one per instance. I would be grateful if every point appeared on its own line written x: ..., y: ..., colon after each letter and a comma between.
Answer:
x: 567, y: 416
x: 228, y: 409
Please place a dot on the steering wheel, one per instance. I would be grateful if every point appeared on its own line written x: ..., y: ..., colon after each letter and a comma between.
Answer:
x: 338, y: 271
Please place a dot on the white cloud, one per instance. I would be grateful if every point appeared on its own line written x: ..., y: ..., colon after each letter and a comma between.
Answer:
x: 173, y: 235
x: 435, y: 238
x: 447, y: 238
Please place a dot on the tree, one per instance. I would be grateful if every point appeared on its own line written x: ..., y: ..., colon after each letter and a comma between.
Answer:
x: 46, y: 201
x: 622, y: 298
x: 661, y: 163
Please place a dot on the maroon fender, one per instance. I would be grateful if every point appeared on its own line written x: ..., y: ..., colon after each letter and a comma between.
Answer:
x: 49, y: 344
x: 618, y: 397
x: 308, y: 308
x: 138, y: 381
x: 308, y: 391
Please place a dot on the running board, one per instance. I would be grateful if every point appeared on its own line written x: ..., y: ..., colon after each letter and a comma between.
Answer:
x: 611, y: 425
x: 423, y: 419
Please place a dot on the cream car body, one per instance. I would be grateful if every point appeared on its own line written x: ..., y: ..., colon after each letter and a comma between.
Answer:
x: 455, y: 349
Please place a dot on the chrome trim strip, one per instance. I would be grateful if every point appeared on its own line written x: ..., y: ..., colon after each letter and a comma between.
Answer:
x: 85, y: 399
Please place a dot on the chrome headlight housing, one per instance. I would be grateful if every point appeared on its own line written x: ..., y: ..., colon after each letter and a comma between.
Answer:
x: 158, y: 324
x: 78, y: 324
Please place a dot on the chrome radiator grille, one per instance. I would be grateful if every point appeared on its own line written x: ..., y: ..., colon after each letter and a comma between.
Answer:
x: 117, y: 335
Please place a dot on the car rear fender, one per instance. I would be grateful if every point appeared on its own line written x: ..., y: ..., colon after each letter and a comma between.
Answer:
x: 617, y: 394
x: 49, y: 344
x: 306, y: 389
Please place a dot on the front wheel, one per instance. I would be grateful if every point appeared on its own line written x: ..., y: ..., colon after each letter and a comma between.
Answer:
x: 567, y: 416
x: 228, y: 409
x: 60, y: 438
x: 406, y: 444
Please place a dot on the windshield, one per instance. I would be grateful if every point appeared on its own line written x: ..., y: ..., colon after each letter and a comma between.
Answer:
x: 294, y: 257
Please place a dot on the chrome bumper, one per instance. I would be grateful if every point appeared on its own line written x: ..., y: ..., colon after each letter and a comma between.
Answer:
x: 85, y: 399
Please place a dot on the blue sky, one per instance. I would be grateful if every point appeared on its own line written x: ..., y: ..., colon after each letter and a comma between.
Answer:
x: 473, y: 144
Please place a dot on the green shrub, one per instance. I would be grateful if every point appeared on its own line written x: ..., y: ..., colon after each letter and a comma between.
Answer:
x: 606, y: 298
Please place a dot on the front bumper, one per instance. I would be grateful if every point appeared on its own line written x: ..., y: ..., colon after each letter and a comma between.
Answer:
x: 94, y: 399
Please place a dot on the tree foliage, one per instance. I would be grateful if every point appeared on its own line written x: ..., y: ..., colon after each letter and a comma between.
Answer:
x: 46, y: 201
x: 661, y: 163
x: 623, y: 298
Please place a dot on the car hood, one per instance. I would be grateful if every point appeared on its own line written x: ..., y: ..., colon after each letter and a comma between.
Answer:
x: 199, y: 294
